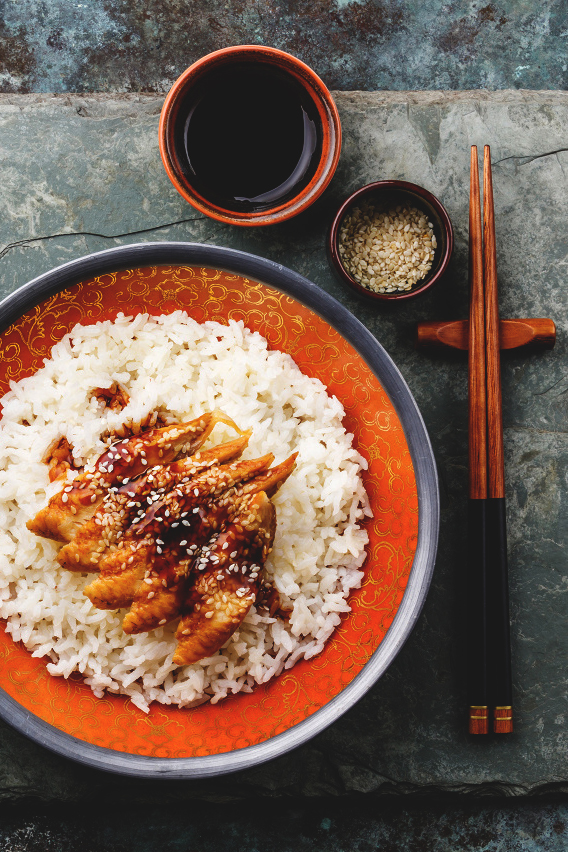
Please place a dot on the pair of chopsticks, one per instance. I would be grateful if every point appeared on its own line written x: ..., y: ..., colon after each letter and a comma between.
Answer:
x: 489, y: 649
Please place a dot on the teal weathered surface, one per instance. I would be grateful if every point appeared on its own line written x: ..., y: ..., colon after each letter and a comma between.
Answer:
x: 143, y: 45
x: 83, y: 173
x: 362, y: 824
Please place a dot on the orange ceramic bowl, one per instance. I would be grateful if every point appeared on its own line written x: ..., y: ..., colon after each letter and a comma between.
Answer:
x: 203, y: 75
x: 328, y: 343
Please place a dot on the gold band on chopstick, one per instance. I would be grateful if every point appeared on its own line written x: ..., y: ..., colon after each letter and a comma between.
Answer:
x: 508, y: 716
x: 503, y: 724
x: 478, y: 719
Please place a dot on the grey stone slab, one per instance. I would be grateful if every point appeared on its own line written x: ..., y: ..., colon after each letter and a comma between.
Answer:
x: 143, y: 45
x: 78, y: 171
x: 361, y: 824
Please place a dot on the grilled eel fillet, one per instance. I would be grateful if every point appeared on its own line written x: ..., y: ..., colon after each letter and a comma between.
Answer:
x: 162, y: 590
x: 101, y: 533
x: 78, y: 501
x: 228, y: 578
x: 124, y: 568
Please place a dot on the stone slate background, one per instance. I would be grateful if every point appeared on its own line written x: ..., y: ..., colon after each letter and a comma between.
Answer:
x: 143, y: 45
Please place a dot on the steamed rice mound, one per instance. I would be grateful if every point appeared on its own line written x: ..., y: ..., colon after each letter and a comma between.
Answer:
x: 177, y: 366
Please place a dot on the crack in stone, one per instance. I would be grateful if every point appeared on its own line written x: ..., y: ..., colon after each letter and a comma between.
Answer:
x: 528, y: 158
x: 31, y: 240
x: 537, y: 431
x: 556, y: 543
x: 542, y: 393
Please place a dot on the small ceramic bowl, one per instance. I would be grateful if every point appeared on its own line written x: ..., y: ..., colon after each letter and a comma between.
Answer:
x: 390, y: 193
x: 200, y: 78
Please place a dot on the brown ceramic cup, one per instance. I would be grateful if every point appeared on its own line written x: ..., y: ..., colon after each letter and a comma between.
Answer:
x: 390, y: 193
x: 203, y: 74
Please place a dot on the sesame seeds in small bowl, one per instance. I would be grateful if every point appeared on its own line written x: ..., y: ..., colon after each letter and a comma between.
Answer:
x: 391, y: 240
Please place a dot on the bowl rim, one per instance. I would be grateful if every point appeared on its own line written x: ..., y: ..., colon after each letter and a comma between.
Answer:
x: 367, y: 346
x: 368, y: 189
x: 331, y: 133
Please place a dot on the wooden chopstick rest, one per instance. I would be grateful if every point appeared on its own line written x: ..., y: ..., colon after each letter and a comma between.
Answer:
x: 513, y: 334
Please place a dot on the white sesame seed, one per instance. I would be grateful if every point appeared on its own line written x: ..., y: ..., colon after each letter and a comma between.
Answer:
x: 380, y: 249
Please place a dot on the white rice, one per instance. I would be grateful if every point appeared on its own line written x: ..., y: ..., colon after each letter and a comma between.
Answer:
x: 183, y: 368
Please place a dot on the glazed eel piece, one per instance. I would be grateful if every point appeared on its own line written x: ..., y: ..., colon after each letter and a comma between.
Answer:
x: 163, y: 590
x: 228, y: 578
x: 124, y: 568
x: 124, y: 460
x: 100, y: 534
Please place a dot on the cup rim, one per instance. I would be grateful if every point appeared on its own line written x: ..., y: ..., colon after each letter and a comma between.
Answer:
x: 368, y: 189
x: 324, y: 103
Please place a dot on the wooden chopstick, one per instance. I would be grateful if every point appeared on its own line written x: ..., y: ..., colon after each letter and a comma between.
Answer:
x: 495, y: 461
x: 497, y: 588
x: 489, y: 656
x: 477, y: 402
x: 477, y: 383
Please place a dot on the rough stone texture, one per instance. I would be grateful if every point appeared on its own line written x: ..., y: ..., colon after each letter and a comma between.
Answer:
x: 361, y: 825
x: 76, y: 168
x: 143, y: 45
